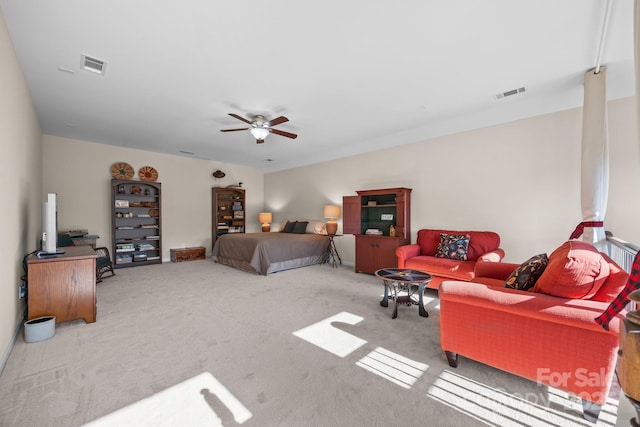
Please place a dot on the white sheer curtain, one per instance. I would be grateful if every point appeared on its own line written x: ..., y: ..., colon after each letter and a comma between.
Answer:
x: 595, y: 157
x: 636, y: 32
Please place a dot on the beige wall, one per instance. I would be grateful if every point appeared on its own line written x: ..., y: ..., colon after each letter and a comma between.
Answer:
x: 79, y: 172
x: 521, y: 179
x: 21, y: 189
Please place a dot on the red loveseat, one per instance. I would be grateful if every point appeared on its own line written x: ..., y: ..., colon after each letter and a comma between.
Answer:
x: 545, y: 338
x: 484, y: 246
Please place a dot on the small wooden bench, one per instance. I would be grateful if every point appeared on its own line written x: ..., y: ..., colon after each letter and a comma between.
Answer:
x: 187, y: 254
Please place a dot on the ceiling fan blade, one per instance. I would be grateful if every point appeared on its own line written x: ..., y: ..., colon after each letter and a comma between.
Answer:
x: 276, y: 121
x: 283, y: 133
x: 240, y: 118
x: 232, y: 130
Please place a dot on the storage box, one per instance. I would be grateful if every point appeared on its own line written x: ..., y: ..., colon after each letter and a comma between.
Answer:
x: 124, y: 259
x: 139, y: 256
x: 187, y: 254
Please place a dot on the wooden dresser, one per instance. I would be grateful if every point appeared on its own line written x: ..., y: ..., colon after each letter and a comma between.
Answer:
x: 63, y: 286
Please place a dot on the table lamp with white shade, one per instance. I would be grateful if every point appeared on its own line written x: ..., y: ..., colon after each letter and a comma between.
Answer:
x: 265, y: 218
x: 331, y: 213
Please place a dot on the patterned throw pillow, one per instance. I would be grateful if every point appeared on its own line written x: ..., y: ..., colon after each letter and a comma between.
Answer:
x: 526, y: 274
x: 453, y: 246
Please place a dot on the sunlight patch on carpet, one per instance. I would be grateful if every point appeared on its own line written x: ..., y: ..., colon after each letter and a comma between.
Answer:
x: 496, y: 407
x: 393, y: 367
x: 324, y: 335
x: 182, y: 404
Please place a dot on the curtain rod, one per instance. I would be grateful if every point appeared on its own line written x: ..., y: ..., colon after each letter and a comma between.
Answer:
x: 605, y: 24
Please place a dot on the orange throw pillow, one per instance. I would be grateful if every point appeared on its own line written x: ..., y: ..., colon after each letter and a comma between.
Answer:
x: 576, y: 270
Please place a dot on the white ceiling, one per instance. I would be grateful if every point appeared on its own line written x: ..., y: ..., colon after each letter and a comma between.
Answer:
x: 351, y: 76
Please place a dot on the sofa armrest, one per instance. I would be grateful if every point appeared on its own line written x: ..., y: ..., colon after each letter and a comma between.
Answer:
x: 494, y: 270
x: 495, y: 255
x: 574, y: 312
x: 405, y: 252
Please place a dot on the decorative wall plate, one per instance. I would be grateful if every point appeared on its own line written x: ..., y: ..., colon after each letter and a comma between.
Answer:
x: 147, y: 173
x: 122, y: 170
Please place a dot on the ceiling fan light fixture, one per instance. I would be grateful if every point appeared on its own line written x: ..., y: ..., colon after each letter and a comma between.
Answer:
x: 259, y: 132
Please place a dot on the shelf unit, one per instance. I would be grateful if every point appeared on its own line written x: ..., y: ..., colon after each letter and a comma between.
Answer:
x: 136, y: 223
x: 227, y: 211
x: 379, y: 210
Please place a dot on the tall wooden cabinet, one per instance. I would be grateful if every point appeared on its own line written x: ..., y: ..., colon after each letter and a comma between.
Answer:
x: 380, y: 221
x: 227, y: 211
x: 136, y: 223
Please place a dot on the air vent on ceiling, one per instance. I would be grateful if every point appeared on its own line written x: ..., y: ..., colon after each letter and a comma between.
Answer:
x: 511, y: 92
x: 93, y: 64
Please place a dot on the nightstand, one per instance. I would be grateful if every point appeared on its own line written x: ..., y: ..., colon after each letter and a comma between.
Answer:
x: 331, y: 255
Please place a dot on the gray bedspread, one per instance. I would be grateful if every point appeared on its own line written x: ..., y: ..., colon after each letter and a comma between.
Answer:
x: 266, y: 253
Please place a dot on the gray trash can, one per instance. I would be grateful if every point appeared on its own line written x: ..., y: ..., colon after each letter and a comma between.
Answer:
x: 40, y: 328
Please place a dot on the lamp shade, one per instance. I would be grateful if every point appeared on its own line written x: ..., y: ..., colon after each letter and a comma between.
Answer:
x: 259, y: 133
x: 265, y: 218
x: 331, y: 212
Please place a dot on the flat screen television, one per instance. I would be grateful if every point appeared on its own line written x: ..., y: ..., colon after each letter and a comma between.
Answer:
x: 49, y: 225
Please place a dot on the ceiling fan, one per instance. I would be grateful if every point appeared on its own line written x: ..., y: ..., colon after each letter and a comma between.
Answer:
x: 260, y: 128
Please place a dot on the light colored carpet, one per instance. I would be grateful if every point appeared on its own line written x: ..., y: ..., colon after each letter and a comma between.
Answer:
x: 198, y: 343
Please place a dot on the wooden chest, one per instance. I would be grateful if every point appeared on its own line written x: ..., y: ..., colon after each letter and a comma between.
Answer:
x: 187, y: 254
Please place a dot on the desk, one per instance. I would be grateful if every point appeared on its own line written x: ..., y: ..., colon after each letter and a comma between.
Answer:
x: 331, y: 255
x: 63, y: 286
x: 403, y: 279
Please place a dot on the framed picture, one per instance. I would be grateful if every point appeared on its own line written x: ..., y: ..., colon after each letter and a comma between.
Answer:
x: 122, y: 203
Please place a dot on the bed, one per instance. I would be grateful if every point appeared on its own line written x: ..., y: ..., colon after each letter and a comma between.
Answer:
x: 266, y: 253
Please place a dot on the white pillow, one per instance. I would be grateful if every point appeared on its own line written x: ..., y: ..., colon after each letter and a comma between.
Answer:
x: 316, y: 227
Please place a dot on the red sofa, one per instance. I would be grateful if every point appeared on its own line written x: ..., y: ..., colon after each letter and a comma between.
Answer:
x: 545, y: 338
x: 483, y: 246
